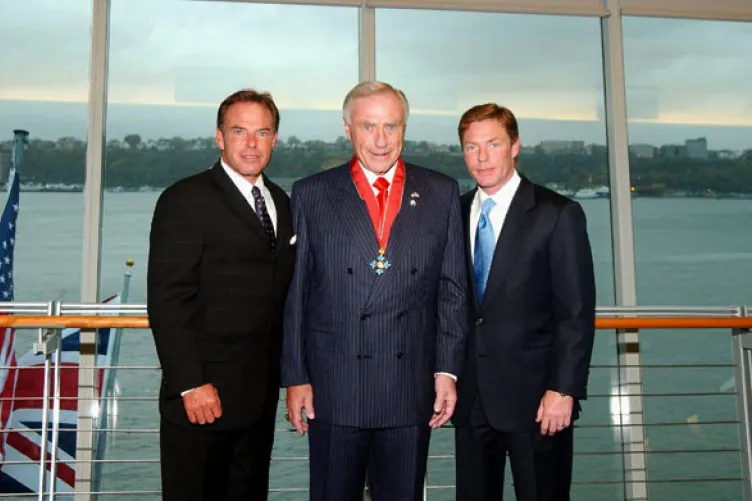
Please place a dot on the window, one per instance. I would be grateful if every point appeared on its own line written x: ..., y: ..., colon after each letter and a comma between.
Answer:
x: 690, y: 131
x: 171, y: 64
x: 548, y: 71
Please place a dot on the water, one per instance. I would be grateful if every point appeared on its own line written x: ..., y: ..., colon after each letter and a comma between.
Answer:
x: 689, y: 252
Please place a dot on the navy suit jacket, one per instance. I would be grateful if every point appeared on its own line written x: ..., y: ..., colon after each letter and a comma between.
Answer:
x: 534, y: 329
x: 370, y: 345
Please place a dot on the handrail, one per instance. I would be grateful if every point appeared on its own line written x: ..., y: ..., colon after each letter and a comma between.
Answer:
x: 142, y: 322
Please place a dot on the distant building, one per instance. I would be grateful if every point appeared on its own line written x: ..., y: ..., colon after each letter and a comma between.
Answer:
x: 642, y: 150
x: 561, y: 147
x: 673, y: 150
x: 697, y: 148
x: 724, y: 154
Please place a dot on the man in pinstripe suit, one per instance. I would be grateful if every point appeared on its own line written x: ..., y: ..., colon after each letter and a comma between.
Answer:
x: 376, y: 317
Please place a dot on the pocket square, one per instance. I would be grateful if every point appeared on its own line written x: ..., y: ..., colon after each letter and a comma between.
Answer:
x: 293, y: 239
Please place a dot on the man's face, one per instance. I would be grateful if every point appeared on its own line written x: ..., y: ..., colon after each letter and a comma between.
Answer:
x: 247, y: 139
x: 489, y: 154
x: 377, y: 130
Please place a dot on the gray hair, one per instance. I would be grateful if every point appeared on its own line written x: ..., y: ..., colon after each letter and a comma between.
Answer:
x: 371, y: 88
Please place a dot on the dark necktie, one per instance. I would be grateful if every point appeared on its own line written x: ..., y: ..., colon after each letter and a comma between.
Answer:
x: 263, y: 214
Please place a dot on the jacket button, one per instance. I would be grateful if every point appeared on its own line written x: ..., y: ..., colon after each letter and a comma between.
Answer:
x: 479, y: 321
x: 349, y: 271
x: 401, y: 315
x: 360, y: 357
x: 365, y: 316
x: 400, y: 355
x: 413, y: 271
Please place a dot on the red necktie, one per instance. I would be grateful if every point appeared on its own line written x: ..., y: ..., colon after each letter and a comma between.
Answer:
x: 382, y: 185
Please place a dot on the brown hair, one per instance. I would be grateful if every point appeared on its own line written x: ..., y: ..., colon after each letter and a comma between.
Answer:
x: 248, y: 96
x: 490, y: 111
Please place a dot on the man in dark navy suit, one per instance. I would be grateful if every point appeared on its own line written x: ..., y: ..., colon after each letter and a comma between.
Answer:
x: 376, y: 317
x: 220, y: 263
x: 532, y: 318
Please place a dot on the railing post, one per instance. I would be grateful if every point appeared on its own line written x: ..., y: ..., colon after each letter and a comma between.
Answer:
x: 742, y: 352
x: 48, y: 344
x: 56, y: 339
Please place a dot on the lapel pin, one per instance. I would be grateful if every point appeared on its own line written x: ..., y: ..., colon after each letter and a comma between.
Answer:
x: 414, y: 194
x: 413, y: 203
x: 293, y: 239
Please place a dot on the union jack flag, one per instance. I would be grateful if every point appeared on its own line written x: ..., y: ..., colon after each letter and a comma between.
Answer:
x: 20, y: 473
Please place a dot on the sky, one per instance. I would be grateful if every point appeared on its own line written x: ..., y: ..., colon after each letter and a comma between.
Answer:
x: 173, y: 61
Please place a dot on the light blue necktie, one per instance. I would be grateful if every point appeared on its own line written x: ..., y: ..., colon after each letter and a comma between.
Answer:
x: 484, y: 248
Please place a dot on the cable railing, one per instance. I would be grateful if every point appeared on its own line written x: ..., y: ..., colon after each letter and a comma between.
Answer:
x: 619, y: 409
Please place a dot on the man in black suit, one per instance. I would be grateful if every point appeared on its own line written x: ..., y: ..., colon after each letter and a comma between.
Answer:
x: 532, y: 318
x: 220, y: 263
x: 376, y: 317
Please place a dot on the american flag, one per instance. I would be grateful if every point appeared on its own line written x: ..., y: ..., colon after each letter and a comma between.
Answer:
x: 23, y: 433
x: 8, y: 372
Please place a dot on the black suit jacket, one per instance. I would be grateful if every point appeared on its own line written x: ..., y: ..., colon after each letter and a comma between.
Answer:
x: 216, y: 294
x: 534, y: 329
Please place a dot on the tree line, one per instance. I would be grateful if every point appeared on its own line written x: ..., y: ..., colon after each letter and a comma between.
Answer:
x: 132, y: 163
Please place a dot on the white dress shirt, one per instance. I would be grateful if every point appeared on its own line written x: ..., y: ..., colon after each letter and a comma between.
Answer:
x: 498, y: 214
x: 372, y: 177
x: 245, y: 188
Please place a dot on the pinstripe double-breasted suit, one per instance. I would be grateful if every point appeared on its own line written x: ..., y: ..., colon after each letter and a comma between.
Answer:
x: 370, y: 345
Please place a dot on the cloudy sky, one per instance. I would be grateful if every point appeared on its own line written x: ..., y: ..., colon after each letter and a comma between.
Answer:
x: 173, y: 61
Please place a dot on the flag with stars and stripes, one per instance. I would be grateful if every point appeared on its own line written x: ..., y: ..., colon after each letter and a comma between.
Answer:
x: 8, y: 372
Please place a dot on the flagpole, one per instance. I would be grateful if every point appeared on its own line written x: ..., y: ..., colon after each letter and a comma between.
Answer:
x: 106, y: 400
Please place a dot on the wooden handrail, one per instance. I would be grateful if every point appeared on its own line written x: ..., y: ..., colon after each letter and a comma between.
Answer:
x: 142, y: 322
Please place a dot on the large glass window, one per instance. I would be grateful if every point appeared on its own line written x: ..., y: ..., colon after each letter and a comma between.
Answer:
x: 44, y: 90
x: 690, y: 131
x: 548, y: 71
x: 171, y: 64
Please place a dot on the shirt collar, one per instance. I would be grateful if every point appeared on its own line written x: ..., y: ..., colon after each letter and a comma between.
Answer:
x: 242, y: 183
x: 372, y: 177
x: 504, y: 195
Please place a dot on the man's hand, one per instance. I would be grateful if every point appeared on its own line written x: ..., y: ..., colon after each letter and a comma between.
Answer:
x: 446, y: 400
x: 554, y: 412
x: 300, y: 398
x: 202, y: 404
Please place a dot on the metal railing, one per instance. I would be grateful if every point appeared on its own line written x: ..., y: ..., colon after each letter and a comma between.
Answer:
x: 627, y: 402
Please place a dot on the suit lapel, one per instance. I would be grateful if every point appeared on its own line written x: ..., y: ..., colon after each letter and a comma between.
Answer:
x: 467, y: 204
x: 284, y: 219
x: 508, y: 244
x: 235, y: 201
x: 404, y: 228
x: 353, y: 213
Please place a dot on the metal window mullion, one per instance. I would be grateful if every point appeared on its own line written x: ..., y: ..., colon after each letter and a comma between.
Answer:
x: 367, y: 44
x: 629, y: 393
x: 92, y: 232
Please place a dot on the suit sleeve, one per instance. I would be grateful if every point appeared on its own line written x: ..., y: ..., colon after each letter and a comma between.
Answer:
x: 175, y: 250
x: 294, y: 370
x: 452, y: 295
x: 573, y: 287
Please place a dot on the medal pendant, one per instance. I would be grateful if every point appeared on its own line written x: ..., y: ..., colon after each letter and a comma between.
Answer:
x: 380, y: 264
